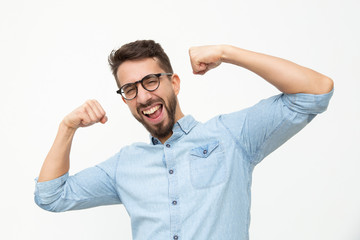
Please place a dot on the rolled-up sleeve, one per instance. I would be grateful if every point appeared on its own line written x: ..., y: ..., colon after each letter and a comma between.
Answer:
x: 307, y: 103
x: 91, y: 187
x: 261, y: 129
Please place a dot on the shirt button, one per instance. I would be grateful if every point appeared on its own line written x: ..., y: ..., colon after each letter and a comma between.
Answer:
x: 174, y: 202
x: 167, y: 145
x: 171, y: 171
x: 175, y: 237
x: 205, y: 152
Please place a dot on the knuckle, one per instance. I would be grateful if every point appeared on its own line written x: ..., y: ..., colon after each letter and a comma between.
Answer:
x: 85, y: 105
x: 100, y: 115
x: 82, y: 110
x: 89, y: 102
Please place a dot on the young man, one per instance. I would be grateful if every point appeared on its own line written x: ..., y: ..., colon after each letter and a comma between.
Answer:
x: 192, y: 181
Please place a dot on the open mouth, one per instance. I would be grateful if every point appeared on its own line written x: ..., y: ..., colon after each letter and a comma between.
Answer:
x: 153, y: 112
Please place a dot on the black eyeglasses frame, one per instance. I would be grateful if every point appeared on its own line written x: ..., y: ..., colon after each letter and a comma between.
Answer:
x: 158, y: 75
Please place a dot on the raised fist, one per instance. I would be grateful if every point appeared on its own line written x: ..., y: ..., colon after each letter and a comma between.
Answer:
x: 205, y: 58
x: 86, y: 115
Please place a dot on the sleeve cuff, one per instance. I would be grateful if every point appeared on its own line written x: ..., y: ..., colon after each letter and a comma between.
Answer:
x: 51, y: 184
x: 308, y: 103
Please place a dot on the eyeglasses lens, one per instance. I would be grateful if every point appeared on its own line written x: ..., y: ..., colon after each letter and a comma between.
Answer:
x: 150, y: 83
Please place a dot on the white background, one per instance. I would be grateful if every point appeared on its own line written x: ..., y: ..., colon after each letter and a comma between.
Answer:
x: 53, y: 56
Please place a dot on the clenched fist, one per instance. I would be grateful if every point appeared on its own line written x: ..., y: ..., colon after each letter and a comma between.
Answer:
x: 86, y: 115
x: 205, y: 58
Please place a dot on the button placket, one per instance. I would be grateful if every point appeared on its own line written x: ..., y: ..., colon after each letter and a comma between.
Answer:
x: 173, y: 193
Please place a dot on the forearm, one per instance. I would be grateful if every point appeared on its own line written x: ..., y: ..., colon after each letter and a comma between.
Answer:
x: 57, y: 161
x: 287, y: 76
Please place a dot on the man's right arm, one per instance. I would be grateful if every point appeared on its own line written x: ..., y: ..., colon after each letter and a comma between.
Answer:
x: 55, y: 190
x: 57, y: 162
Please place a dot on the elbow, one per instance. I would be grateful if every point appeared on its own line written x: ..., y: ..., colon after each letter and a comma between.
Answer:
x: 324, y: 85
x: 328, y: 85
x: 50, y: 201
x: 320, y: 85
x: 45, y: 206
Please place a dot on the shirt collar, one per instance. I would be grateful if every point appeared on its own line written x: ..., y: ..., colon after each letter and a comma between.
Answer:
x: 185, y: 125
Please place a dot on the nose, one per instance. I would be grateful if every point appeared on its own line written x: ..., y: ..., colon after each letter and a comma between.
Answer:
x: 143, y: 95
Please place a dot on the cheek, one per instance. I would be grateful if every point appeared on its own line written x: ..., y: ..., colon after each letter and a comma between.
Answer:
x: 166, y: 92
x: 170, y: 95
x: 132, y: 108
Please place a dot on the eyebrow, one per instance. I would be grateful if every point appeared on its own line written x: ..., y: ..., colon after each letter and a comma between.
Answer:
x: 131, y: 81
x: 139, y: 79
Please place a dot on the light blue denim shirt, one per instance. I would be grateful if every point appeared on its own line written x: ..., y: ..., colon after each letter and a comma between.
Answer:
x: 197, y: 184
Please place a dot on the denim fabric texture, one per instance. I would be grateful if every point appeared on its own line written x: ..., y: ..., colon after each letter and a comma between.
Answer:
x: 197, y: 185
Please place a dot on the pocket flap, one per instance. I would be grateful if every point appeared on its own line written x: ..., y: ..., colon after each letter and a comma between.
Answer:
x: 205, y: 150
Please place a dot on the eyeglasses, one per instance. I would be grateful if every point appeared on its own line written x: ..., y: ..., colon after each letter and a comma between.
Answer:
x: 150, y: 83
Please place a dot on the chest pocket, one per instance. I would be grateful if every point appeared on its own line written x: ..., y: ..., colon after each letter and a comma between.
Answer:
x: 207, y: 165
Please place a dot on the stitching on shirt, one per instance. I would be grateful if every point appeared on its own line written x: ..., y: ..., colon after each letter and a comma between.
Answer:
x: 233, y: 137
x: 260, y: 148
x: 112, y: 181
x: 257, y: 155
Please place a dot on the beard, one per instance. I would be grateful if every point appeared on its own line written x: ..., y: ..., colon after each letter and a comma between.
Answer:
x: 164, y: 128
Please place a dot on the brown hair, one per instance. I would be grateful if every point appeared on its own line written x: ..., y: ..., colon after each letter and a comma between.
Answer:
x: 138, y: 50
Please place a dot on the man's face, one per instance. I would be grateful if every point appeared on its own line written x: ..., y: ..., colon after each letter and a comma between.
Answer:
x: 156, y: 110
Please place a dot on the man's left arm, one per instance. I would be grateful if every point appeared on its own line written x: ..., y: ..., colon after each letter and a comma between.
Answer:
x: 287, y: 76
x: 261, y: 129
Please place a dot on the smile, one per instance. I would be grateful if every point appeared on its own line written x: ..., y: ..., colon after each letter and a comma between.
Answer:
x: 154, y: 113
x: 151, y: 110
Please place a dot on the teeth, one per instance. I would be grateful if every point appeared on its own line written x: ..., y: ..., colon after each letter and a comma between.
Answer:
x: 151, y: 110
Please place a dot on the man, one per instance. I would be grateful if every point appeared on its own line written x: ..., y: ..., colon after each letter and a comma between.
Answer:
x: 193, y: 180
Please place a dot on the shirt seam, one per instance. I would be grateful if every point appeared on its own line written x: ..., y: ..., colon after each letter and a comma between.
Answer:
x: 260, y: 148
x: 112, y: 181
x: 233, y: 137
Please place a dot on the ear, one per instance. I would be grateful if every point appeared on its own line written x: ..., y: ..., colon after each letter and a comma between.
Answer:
x: 175, y: 81
x: 123, y: 99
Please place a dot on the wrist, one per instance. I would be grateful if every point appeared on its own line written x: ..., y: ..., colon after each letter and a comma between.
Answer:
x: 65, y: 128
x: 225, y: 50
